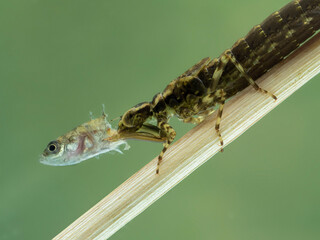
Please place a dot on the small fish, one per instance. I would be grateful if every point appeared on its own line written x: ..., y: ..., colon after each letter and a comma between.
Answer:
x: 83, y: 142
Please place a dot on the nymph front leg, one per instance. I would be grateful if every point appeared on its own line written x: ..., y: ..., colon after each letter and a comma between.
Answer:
x: 170, y: 135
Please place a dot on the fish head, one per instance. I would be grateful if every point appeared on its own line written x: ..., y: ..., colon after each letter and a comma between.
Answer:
x: 57, y: 152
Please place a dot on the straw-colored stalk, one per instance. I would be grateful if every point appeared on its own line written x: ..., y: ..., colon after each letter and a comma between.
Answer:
x: 196, y: 147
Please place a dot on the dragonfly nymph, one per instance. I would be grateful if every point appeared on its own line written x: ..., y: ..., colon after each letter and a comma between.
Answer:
x: 208, y: 84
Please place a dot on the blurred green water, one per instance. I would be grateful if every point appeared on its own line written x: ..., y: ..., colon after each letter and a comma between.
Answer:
x: 61, y: 59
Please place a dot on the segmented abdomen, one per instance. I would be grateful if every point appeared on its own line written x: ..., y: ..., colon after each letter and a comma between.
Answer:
x: 271, y: 41
x: 262, y: 48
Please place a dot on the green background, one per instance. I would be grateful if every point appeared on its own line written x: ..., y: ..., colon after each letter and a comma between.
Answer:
x: 61, y: 59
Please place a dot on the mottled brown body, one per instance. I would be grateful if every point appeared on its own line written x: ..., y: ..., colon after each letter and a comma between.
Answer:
x: 206, y: 85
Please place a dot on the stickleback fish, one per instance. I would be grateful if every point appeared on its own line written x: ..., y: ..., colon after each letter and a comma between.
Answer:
x: 81, y: 143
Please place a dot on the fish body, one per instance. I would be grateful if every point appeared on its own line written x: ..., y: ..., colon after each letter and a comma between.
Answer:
x: 83, y: 142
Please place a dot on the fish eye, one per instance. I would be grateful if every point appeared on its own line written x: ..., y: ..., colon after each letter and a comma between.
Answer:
x: 52, y: 147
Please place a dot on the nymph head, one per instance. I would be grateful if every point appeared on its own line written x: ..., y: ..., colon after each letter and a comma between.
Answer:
x: 136, y: 116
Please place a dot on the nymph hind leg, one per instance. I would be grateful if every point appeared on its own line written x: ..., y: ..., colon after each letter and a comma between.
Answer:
x: 232, y: 58
x: 221, y: 62
x: 170, y: 135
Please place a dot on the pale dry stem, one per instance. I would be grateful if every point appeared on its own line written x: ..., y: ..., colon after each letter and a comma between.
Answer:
x: 195, y: 147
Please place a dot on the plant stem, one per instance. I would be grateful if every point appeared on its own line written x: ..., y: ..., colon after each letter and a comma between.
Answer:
x: 196, y: 147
